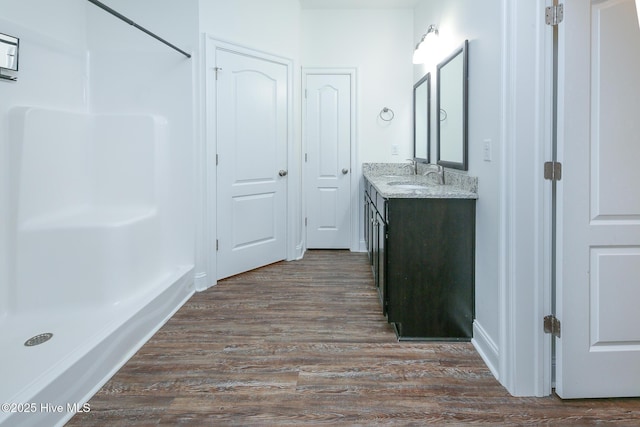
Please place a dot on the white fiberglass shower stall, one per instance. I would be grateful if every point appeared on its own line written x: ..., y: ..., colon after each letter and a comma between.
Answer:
x: 96, y: 198
x: 90, y: 268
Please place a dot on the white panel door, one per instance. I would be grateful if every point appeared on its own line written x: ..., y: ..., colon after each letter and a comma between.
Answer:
x: 251, y: 108
x: 598, y: 274
x: 328, y: 137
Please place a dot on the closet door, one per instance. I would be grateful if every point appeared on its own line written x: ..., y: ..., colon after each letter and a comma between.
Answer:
x: 328, y: 160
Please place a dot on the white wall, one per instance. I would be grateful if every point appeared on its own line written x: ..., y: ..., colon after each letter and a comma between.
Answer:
x: 52, y: 73
x: 480, y: 23
x: 271, y: 26
x: 378, y: 43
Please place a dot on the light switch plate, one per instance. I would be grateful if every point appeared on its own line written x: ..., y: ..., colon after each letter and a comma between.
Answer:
x: 486, y: 150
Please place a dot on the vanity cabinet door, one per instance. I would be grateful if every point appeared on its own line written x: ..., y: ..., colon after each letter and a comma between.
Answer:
x: 381, y: 281
x: 367, y: 226
x: 370, y: 217
x: 375, y: 236
x: 375, y: 248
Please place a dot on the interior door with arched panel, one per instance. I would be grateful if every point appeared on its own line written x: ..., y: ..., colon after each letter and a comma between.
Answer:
x: 328, y: 134
x: 251, y: 108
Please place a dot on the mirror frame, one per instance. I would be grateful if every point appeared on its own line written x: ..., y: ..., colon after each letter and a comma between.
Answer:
x: 426, y: 79
x: 464, y: 51
x: 8, y: 40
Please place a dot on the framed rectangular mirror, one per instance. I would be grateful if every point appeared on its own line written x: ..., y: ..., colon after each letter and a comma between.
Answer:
x: 9, y: 52
x: 452, y: 109
x: 421, y: 122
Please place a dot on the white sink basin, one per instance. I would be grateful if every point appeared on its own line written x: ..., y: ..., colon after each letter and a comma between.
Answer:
x: 408, y: 185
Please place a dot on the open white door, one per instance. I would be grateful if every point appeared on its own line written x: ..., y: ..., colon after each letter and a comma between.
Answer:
x: 598, y: 273
x: 251, y: 123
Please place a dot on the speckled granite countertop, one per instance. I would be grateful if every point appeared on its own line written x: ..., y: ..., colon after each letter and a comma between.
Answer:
x: 396, y: 180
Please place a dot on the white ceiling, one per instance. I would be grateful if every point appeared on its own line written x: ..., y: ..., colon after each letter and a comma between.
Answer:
x: 358, y: 4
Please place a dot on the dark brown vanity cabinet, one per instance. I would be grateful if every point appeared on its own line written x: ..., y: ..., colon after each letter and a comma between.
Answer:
x: 422, y: 255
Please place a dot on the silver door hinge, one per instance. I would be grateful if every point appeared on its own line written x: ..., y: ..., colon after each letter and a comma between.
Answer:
x: 305, y: 222
x: 216, y: 160
x: 552, y: 325
x: 305, y: 93
x: 554, y: 14
x: 216, y: 244
x: 306, y: 158
x: 553, y: 171
x: 217, y: 69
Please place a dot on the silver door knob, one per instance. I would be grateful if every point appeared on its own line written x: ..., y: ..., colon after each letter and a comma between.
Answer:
x: 282, y: 172
x: 345, y: 171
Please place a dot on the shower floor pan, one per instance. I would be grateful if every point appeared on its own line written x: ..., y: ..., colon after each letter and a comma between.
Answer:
x: 88, y: 345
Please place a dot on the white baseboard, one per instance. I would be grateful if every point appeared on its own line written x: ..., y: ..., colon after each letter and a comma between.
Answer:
x: 487, y: 348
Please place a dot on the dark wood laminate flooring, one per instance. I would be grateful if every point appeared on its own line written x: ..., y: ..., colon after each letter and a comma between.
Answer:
x: 305, y: 343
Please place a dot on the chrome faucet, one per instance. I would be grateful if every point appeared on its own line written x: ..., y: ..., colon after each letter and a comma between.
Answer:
x: 413, y: 165
x: 439, y: 172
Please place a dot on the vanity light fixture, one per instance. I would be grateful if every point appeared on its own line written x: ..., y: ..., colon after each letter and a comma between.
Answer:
x: 425, y: 47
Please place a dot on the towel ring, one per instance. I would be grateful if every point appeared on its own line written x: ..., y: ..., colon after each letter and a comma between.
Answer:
x: 389, y: 114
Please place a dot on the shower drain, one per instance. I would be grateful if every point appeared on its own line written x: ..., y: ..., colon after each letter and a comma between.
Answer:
x: 38, y: 339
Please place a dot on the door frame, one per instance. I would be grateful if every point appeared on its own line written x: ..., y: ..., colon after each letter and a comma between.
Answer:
x: 355, y: 166
x: 206, y: 253
x: 522, y: 358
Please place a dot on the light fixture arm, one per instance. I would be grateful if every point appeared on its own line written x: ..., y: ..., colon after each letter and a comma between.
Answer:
x: 420, y: 52
x: 432, y: 29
